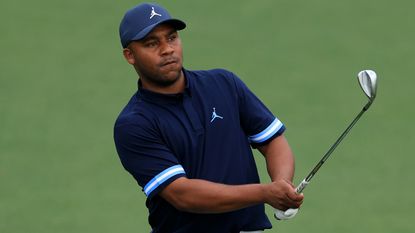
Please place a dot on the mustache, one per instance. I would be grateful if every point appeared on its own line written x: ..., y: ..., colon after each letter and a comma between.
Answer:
x: 169, y: 60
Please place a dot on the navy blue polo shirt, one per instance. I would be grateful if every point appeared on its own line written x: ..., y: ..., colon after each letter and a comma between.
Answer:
x: 206, y: 132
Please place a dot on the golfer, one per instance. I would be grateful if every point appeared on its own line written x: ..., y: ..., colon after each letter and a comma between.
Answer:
x: 186, y: 137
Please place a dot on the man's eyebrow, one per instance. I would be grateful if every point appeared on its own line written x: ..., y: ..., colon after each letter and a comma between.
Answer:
x: 152, y: 37
x: 148, y: 38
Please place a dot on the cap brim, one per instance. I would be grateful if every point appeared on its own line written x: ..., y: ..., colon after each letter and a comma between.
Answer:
x: 176, y: 23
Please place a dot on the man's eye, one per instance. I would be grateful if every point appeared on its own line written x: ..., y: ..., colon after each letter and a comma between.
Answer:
x: 151, y: 44
x: 172, y: 37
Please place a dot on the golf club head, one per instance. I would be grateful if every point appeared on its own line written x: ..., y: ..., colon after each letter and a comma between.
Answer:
x: 368, y: 83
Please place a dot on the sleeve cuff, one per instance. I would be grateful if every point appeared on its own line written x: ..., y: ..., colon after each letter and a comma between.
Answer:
x: 162, y: 178
x: 276, y: 127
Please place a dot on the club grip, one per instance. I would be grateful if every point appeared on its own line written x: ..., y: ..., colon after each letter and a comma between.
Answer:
x: 301, y: 186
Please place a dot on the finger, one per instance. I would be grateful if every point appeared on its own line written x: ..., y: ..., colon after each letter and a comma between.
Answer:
x: 293, y: 202
x: 283, y: 207
x: 295, y: 196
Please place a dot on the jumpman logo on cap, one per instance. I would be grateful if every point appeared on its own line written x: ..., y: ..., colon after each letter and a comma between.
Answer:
x: 153, y: 13
x: 214, y: 115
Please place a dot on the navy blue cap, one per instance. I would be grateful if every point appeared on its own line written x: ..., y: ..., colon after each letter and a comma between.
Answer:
x: 141, y: 19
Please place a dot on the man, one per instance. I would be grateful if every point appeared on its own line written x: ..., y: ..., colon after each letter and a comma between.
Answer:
x: 185, y: 137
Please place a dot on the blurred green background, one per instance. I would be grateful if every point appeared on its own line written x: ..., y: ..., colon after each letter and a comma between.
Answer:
x: 63, y: 81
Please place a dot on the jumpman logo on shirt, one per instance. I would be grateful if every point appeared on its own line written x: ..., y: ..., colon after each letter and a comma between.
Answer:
x: 214, y: 115
x: 153, y: 13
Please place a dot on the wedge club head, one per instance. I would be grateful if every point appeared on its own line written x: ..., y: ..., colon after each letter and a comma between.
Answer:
x: 368, y: 83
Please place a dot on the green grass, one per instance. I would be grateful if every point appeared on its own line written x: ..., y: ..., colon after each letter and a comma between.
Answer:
x: 63, y: 81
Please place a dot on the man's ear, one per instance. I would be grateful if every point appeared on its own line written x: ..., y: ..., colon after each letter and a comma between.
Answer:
x: 128, y: 54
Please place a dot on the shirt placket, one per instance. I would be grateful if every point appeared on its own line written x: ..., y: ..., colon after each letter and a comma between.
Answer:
x: 192, y: 114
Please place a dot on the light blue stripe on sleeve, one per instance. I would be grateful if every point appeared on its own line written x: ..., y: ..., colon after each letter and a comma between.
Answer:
x: 272, y: 129
x: 162, y: 177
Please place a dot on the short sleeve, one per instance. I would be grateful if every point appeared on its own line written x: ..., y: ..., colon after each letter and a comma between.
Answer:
x: 257, y: 120
x: 145, y: 156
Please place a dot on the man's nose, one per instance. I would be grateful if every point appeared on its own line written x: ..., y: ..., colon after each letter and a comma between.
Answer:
x: 166, y: 48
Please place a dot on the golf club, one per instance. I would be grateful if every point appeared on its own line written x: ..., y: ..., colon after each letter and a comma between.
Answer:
x: 368, y: 82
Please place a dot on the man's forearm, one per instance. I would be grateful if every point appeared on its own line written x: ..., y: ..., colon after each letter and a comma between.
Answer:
x: 279, y: 159
x: 201, y: 196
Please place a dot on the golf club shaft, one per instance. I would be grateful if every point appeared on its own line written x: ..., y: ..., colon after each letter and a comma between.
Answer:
x: 305, y: 182
x: 367, y: 80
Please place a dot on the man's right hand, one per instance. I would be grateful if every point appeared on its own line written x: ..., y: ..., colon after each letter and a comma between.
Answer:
x: 282, y: 195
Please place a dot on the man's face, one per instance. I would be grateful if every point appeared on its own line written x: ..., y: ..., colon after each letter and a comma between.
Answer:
x: 158, y: 57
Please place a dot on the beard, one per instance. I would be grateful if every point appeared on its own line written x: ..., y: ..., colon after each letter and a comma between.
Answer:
x: 163, y: 75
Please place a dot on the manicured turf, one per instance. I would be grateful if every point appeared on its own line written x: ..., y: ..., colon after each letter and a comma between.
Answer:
x: 63, y: 81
